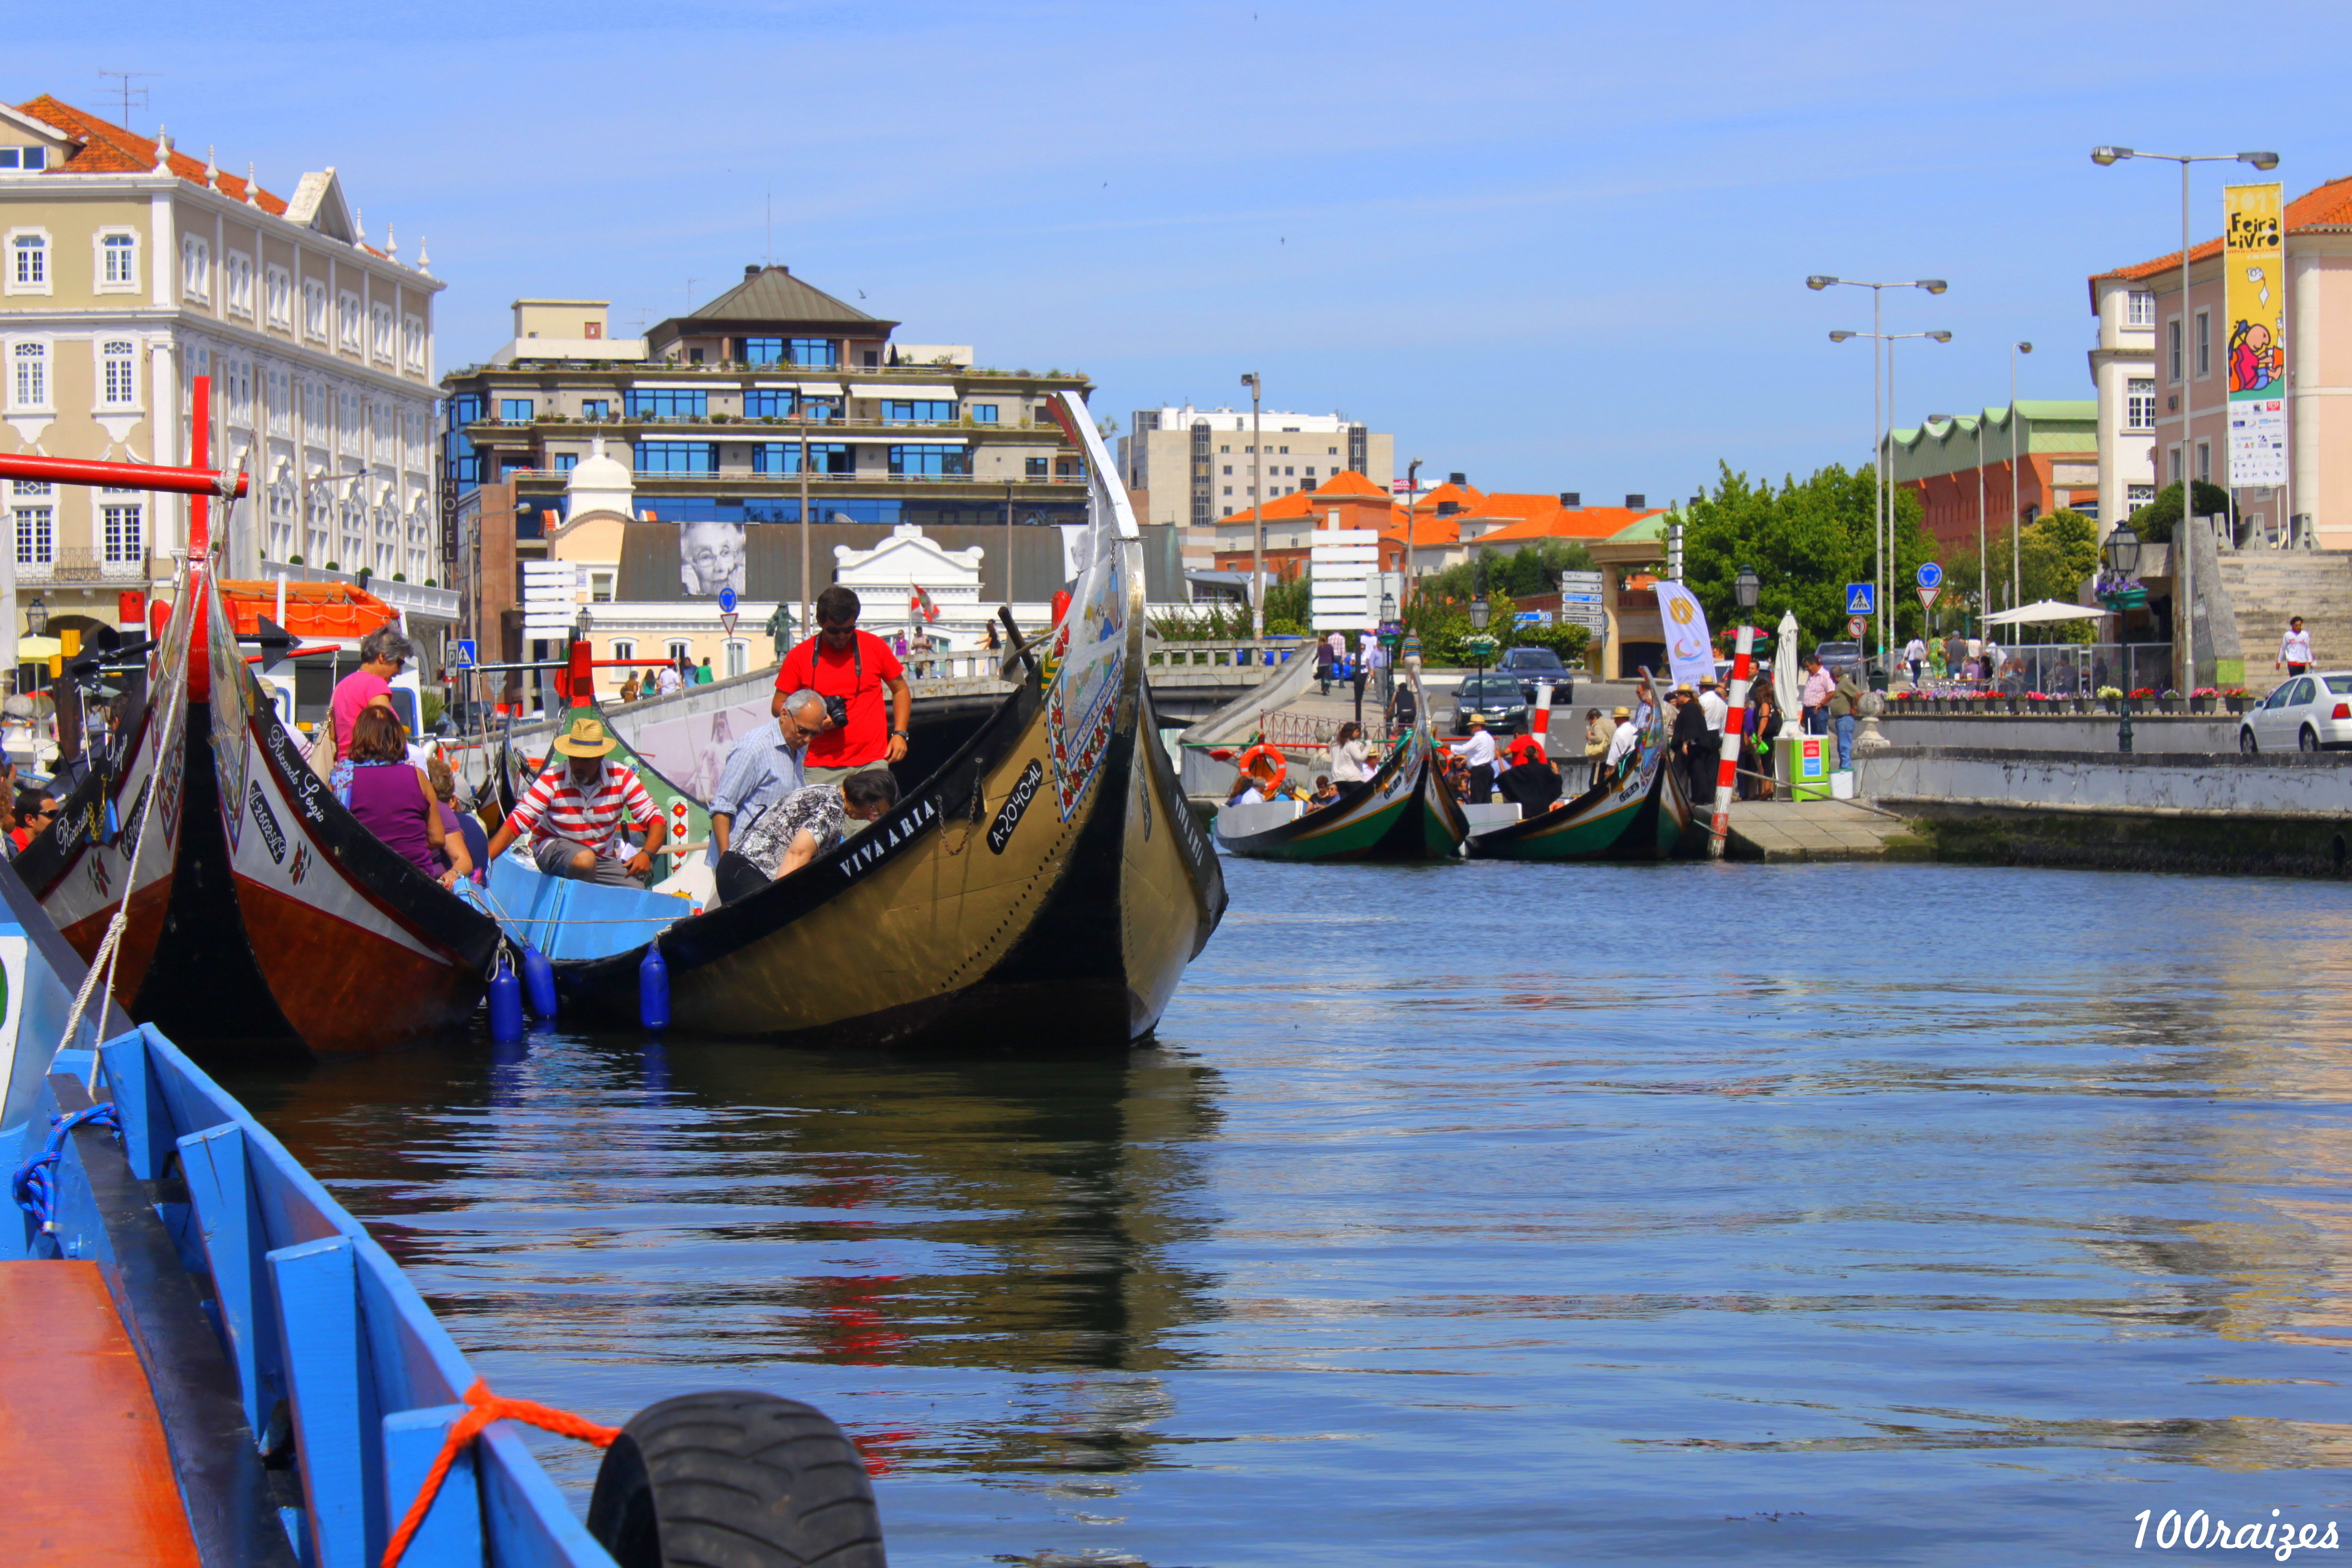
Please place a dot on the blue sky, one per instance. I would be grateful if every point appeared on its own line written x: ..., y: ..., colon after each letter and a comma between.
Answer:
x: 1556, y: 247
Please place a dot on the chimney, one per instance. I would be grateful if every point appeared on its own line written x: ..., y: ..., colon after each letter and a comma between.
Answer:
x: 1636, y: 502
x: 1571, y: 497
x: 1447, y: 508
x: 752, y: 270
x: 1463, y: 479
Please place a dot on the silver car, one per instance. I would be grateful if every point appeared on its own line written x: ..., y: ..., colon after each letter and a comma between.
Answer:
x: 2305, y: 712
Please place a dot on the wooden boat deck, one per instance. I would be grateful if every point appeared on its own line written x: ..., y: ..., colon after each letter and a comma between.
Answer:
x: 81, y: 1441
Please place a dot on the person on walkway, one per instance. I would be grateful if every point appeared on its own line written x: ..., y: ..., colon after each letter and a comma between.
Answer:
x: 1351, y: 759
x: 382, y: 653
x: 1477, y: 753
x: 857, y: 668
x: 1756, y: 740
x: 1845, y: 701
x: 1404, y: 711
x: 2295, y: 649
x: 1690, y: 736
x: 764, y: 766
x: 1326, y: 658
x: 702, y: 676
x: 1816, y: 698
x: 576, y: 809
x: 669, y: 681
x: 1711, y: 704
x: 1623, y: 742
x: 392, y: 798
x: 1992, y: 660
x: 630, y: 688
x: 1914, y: 654
x: 1939, y: 661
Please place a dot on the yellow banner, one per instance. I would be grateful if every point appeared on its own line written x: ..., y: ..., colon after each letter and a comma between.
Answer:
x: 2253, y: 268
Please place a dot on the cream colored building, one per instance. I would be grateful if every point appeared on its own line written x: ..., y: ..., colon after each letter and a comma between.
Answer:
x: 127, y: 269
x: 2122, y: 368
x: 1194, y: 466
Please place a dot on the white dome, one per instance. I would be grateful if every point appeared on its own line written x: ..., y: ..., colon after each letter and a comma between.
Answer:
x: 600, y: 474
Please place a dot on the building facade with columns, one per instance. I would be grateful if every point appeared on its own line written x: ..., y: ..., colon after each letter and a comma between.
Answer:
x: 130, y: 269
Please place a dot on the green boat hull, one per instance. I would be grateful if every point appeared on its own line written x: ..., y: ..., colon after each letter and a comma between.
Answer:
x: 1642, y: 817
x: 1402, y: 812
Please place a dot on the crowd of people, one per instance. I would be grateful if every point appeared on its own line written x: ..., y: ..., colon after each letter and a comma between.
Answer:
x: 666, y: 679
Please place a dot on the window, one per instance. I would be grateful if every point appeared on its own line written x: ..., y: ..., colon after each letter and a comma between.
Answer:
x: 566, y: 461
x: 516, y: 410
x: 195, y: 270
x: 2173, y: 328
x: 763, y: 351
x: 1229, y: 470
x: 982, y: 412
x: 278, y: 297
x: 625, y: 650
x: 28, y: 262
x: 379, y: 327
x: 2139, y: 403
x: 2137, y: 496
x: 1037, y: 469
x: 899, y: 412
x: 314, y: 309
x: 126, y: 540
x: 2204, y: 343
x: 1225, y: 449
x: 412, y: 341
x: 2139, y: 309
x: 37, y: 538
x: 737, y: 657
x: 347, y: 320
x: 1285, y: 451
x: 596, y: 408
x: 2174, y: 453
x: 768, y: 403
x: 600, y: 587
x: 1229, y: 489
x: 679, y: 649
x: 1332, y: 451
x: 929, y: 462
x: 662, y: 403
x: 118, y: 380
x: 118, y: 262
x: 2205, y: 462
x: 28, y: 383
x: 784, y: 458
x: 676, y: 458
x: 815, y: 352
x: 30, y: 159
x: 240, y: 268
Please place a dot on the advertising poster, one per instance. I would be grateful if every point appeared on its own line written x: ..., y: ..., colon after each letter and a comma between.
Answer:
x: 2254, y: 260
x: 1690, y: 651
x: 710, y: 558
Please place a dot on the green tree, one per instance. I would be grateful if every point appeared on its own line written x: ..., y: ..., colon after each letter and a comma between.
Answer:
x: 1530, y: 570
x: 1807, y: 541
x: 2154, y: 521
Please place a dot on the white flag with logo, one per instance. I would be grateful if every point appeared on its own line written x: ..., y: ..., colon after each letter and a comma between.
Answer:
x: 1690, y: 652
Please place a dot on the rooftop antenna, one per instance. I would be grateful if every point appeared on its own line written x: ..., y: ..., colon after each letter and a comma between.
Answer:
x: 768, y: 256
x: 133, y: 97
x: 689, y: 292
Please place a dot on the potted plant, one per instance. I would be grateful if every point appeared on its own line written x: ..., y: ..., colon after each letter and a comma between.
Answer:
x: 2203, y: 700
x: 2109, y: 696
x: 2235, y: 698
x: 2172, y: 702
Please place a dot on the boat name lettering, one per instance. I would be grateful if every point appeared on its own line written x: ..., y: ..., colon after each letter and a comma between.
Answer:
x: 309, y: 789
x: 267, y: 820
x: 874, y: 845
x: 1024, y: 790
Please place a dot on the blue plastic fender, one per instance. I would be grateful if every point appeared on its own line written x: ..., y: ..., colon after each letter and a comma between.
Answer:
x: 506, y: 1002
x: 653, y: 989
x: 539, y: 982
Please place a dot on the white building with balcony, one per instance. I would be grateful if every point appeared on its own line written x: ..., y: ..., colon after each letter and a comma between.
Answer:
x: 2123, y: 369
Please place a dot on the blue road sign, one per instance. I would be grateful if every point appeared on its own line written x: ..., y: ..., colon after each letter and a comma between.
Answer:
x: 1930, y: 575
x: 726, y: 601
x: 1860, y: 599
x: 465, y: 657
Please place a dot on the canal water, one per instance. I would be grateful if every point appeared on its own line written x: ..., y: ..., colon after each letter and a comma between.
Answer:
x: 1478, y: 1214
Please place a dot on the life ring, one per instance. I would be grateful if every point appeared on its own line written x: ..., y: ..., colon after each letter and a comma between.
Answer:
x: 1268, y: 753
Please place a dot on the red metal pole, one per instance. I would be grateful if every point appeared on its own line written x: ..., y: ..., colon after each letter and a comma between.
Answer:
x: 123, y: 476
x: 1727, y: 775
x: 199, y: 454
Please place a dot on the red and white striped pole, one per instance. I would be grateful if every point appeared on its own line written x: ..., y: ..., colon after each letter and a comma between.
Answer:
x: 1727, y: 773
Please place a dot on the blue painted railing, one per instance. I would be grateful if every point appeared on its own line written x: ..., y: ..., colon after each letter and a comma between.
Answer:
x: 315, y: 1317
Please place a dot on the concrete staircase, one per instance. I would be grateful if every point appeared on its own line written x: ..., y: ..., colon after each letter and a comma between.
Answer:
x: 2263, y: 587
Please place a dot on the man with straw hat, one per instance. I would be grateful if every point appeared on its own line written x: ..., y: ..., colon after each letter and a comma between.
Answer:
x: 1622, y: 743
x: 1477, y: 754
x: 576, y: 811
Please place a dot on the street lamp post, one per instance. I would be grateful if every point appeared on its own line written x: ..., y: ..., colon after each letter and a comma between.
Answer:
x: 1882, y: 465
x: 1745, y: 588
x: 1411, y: 489
x: 1882, y: 486
x: 1257, y: 520
x: 2122, y: 552
x: 2016, y: 550
x: 1481, y: 612
x: 2185, y: 609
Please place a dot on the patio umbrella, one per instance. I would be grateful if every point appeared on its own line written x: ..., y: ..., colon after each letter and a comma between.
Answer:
x: 1786, y: 690
x: 2044, y: 611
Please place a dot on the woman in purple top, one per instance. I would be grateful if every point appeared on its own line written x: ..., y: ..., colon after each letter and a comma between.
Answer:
x: 393, y: 800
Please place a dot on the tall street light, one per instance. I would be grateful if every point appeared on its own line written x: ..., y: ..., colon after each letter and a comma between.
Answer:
x: 1258, y: 522
x: 1412, y: 490
x: 1882, y: 491
x: 2184, y: 607
x: 1881, y: 462
x: 2016, y: 550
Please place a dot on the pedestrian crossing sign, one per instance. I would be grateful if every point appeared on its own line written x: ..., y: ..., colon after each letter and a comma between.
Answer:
x: 1860, y: 599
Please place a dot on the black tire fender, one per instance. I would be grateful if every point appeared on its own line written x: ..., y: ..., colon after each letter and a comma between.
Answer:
x: 735, y: 1479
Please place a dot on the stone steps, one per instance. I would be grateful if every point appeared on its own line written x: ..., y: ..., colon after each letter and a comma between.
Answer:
x: 2266, y: 587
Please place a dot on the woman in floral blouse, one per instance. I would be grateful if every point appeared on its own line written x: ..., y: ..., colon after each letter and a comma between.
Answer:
x: 801, y: 826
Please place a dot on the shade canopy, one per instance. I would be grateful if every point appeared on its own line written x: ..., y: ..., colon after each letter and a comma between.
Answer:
x: 2046, y: 612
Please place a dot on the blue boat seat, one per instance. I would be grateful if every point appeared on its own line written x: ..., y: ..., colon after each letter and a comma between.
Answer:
x: 565, y: 918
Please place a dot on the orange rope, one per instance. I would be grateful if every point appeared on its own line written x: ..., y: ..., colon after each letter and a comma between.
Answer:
x: 486, y: 1407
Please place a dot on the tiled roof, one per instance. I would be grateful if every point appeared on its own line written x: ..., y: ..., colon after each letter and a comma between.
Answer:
x: 1428, y: 530
x: 1351, y: 483
x: 106, y: 148
x: 774, y: 294
x: 1469, y: 497
x: 2325, y: 209
x: 1567, y: 522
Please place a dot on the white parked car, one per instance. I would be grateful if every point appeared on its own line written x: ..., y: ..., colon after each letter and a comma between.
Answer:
x: 2305, y: 712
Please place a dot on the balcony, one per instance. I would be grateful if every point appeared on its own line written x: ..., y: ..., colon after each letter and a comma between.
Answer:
x: 84, y: 563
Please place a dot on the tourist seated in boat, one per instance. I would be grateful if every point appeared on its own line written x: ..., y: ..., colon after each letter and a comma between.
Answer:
x: 382, y: 653
x: 1531, y: 781
x: 765, y: 766
x: 1351, y: 759
x: 464, y: 823
x: 799, y: 828
x: 577, y: 808
x: 394, y: 799
x: 1326, y: 792
x: 1255, y: 785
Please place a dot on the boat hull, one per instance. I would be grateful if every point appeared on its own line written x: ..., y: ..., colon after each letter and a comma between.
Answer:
x: 1640, y: 818
x: 1403, y: 811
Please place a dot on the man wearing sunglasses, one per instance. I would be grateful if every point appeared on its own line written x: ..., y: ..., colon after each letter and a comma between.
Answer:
x: 850, y: 670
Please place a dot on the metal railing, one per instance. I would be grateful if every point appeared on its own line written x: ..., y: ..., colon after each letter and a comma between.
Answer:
x: 1282, y: 727
x: 2068, y: 670
x: 84, y: 563
x: 1222, y: 654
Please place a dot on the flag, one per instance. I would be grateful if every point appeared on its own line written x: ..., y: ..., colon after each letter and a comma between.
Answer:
x: 1690, y: 652
x: 919, y: 603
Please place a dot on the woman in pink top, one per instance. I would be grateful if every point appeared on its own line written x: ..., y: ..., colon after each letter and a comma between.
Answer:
x: 394, y: 799
x: 382, y: 652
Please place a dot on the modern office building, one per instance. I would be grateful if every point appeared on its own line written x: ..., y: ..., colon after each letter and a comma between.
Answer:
x: 130, y: 269
x: 703, y: 424
x: 1194, y: 466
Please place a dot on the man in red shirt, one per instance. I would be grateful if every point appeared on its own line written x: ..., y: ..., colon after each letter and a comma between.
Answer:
x: 856, y: 667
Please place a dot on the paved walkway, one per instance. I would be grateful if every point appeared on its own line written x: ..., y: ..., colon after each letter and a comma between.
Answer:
x: 1813, y: 830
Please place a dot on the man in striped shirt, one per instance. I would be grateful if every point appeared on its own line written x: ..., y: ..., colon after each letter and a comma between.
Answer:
x: 575, y: 810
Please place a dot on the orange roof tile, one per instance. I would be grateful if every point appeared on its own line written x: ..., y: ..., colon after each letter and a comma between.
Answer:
x: 2322, y: 209
x: 1569, y: 522
x: 1469, y: 497
x: 1349, y: 483
x: 106, y: 148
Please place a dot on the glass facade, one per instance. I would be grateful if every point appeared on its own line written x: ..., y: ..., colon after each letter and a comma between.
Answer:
x: 917, y: 413
x: 516, y: 410
x: 464, y: 463
x: 677, y: 458
x: 784, y: 458
x: 982, y: 413
x: 665, y: 403
x: 929, y: 462
x: 596, y: 408
x: 817, y: 353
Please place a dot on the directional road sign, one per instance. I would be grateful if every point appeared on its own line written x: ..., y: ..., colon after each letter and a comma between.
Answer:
x: 1931, y: 577
x: 1861, y: 599
x: 464, y: 659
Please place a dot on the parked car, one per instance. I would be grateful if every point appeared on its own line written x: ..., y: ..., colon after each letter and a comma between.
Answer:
x: 1535, y: 667
x: 1837, y: 657
x: 2307, y: 712
x: 1494, y: 694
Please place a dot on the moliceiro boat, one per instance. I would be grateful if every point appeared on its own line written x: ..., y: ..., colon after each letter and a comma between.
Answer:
x: 1043, y: 881
x: 1405, y: 811
x: 1640, y: 814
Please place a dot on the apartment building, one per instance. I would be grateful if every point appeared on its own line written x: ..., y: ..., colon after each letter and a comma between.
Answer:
x: 2123, y: 370
x: 132, y: 268
x: 1194, y: 466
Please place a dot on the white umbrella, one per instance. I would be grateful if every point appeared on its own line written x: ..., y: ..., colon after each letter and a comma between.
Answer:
x: 1786, y: 692
x: 2044, y: 611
